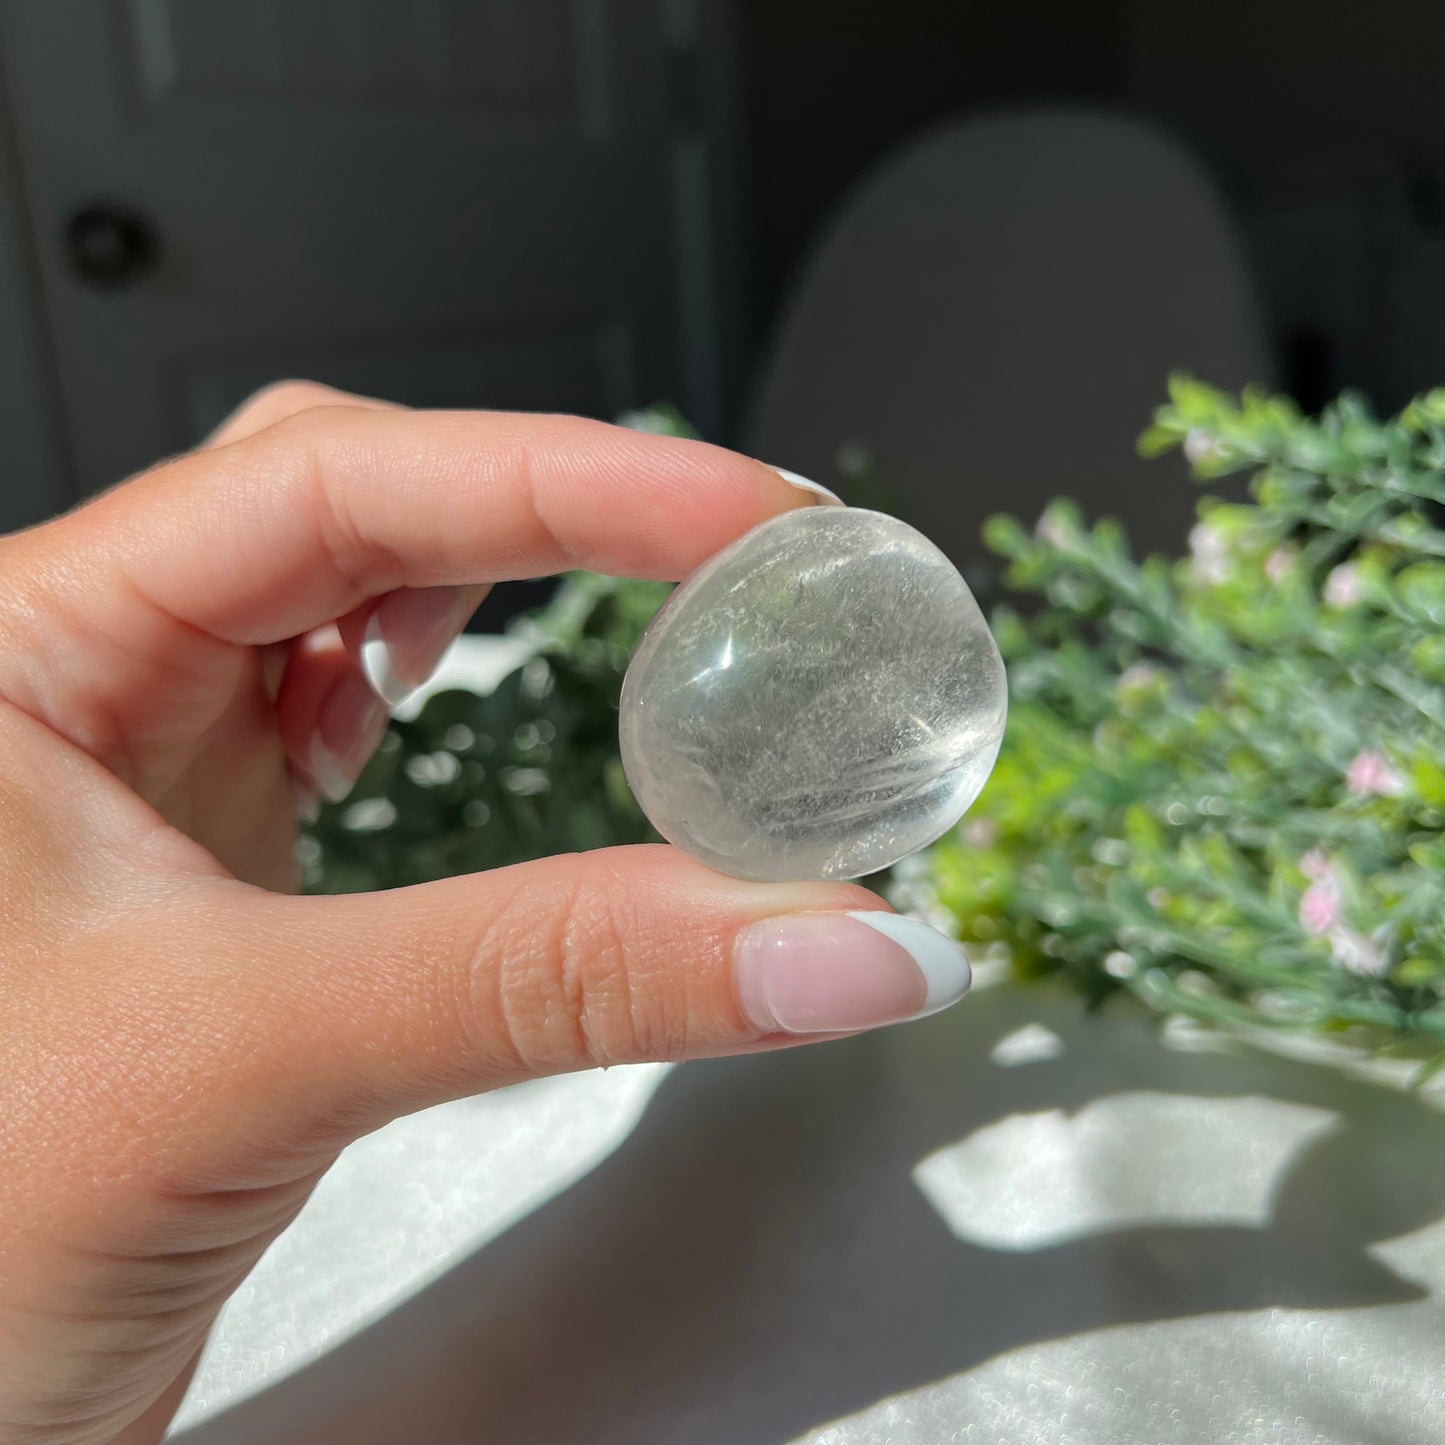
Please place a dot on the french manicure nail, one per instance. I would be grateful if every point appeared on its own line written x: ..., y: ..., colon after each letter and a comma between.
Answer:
x: 830, y: 973
x: 331, y: 782
x: 308, y: 801
x: 350, y: 725
x: 406, y: 635
x: 832, y: 499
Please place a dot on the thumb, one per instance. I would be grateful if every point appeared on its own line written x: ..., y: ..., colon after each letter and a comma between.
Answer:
x: 348, y: 1011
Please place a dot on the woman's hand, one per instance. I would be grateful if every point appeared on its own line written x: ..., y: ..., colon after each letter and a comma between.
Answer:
x: 184, y: 1047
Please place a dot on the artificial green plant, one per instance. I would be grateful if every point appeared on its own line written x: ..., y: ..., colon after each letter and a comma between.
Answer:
x: 1223, y: 781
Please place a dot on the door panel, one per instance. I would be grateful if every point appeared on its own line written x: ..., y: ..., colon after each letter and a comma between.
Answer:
x: 590, y: 373
x: 504, y: 57
x: 34, y: 473
x: 448, y: 202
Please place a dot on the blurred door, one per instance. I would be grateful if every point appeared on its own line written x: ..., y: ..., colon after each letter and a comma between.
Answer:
x: 511, y: 203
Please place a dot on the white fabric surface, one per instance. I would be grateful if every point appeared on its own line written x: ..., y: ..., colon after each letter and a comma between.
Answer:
x: 895, y: 1239
x: 1012, y: 1222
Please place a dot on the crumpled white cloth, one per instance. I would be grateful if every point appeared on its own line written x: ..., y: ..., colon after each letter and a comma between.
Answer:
x: 1010, y: 1223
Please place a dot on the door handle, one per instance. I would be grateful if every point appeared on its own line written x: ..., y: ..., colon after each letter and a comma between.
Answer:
x: 110, y: 246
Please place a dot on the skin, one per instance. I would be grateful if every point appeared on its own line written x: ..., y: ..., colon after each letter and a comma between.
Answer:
x: 185, y: 1045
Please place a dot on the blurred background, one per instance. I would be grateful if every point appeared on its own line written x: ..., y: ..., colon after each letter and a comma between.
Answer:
x: 953, y: 247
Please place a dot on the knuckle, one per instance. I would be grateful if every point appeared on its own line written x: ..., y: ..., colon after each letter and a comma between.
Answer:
x: 293, y: 394
x: 330, y: 494
x: 583, y: 991
x: 594, y: 992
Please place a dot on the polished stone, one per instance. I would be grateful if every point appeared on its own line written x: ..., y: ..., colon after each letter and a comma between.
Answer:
x: 819, y: 700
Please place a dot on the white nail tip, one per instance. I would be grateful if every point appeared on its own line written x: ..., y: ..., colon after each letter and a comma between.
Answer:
x: 942, y: 962
x: 803, y: 484
x: 327, y: 774
x: 381, y: 673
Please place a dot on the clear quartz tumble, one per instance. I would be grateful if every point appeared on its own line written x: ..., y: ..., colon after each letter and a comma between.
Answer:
x: 820, y: 699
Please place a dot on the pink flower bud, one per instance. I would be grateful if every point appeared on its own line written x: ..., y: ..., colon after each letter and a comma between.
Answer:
x: 1319, y: 909
x: 1210, y: 552
x: 1199, y: 446
x: 1342, y: 587
x: 1279, y: 564
x: 1369, y: 775
x: 1051, y: 528
x: 1357, y: 954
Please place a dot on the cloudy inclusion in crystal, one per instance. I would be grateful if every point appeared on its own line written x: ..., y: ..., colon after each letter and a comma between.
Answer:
x: 819, y: 700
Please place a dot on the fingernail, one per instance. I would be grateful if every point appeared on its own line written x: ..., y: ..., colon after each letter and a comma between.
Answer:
x: 832, y: 499
x: 308, y: 802
x: 350, y: 725
x: 406, y: 635
x: 833, y: 973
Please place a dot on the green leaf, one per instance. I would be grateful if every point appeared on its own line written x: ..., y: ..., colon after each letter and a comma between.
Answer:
x: 1427, y: 1071
x: 1428, y: 777
x: 1158, y: 439
x: 1416, y: 972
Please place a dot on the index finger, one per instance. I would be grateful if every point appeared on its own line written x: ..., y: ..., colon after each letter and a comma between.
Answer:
x: 298, y: 524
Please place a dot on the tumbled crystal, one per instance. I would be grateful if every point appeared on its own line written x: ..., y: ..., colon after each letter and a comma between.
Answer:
x: 819, y: 700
